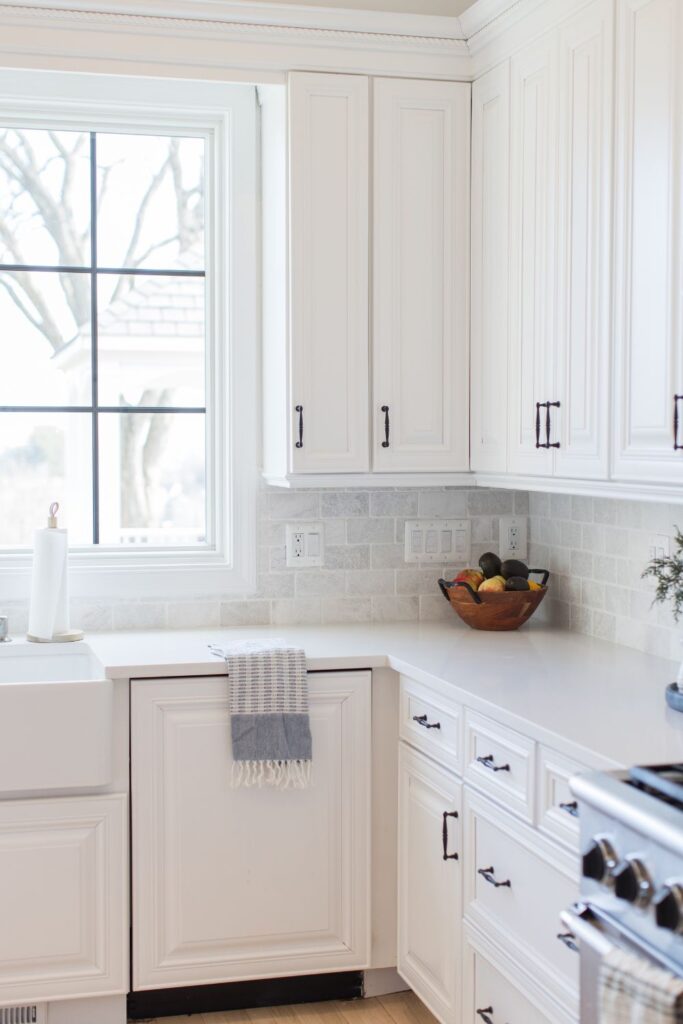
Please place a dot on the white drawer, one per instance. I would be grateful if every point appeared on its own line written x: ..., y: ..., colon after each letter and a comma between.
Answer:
x: 490, y: 995
x: 501, y: 762
x: 431, y: 722
x: 516, y: 884
x: 557, y: 810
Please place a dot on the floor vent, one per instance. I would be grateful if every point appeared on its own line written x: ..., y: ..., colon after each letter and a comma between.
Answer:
x: 23, y: 1014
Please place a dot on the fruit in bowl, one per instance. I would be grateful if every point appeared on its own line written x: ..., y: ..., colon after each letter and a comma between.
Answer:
x: 500, y: 595
x: 471, y: 576
x: 495, y: 584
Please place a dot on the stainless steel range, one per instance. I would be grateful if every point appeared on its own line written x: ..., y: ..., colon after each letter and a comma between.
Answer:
x: 632, y: 887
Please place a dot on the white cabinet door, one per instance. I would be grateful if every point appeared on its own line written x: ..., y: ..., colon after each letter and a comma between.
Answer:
x: 420, y: 282
x: 329, y: 231
x: 490, y: 267
x: 231, y: 884
x: 581, y: 338
x: 429, y: 885
x: 63, y: 898
x: 533, y: 145
x: 649, y: 211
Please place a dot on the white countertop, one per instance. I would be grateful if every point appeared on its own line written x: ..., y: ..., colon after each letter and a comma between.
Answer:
x: 578, y: 694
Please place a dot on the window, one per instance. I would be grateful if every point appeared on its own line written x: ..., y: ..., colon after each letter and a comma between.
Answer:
x: 127, y: 320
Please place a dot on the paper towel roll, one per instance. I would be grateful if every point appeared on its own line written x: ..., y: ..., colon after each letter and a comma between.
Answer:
x: 49, y: 612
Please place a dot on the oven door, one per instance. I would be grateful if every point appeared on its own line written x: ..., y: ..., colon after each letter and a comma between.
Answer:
x: 597, y: 934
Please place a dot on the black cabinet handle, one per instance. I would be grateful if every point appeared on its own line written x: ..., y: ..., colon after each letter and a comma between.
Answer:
x: 569, y: 940
x: 300, y: 442
x: 489, y: 875
x: 570, y: 808
x: 677, y: 399
x: 444, y: 835
x: 484, y: 1014
x: 538, y: 424
x: 547, y: 406
x: 422, y: 720
x: 488, y: 762
x: 385, y: 442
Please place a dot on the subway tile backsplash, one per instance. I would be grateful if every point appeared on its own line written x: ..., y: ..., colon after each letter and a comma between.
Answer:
x: 596, y: 550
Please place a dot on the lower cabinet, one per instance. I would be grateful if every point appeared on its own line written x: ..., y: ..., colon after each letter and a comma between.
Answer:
x: 237, y: 883
x: 429, y: 883
x: 63, y: 898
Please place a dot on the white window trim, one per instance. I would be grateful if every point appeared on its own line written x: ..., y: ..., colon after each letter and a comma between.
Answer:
x: 222, y: 112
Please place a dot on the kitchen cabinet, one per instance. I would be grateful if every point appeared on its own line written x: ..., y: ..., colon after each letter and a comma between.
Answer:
x: 429, y: 883
x: 237, y: 883
x: 329, y: 235
x: 420, y: 275
x: 63, y: 898
x: 490, y: 269
x: 649, y: 227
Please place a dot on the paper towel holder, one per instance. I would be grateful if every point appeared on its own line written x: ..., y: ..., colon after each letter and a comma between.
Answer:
x: 66, y: 635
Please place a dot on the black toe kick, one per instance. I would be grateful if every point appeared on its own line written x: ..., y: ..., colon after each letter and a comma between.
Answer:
x: 243, y: 995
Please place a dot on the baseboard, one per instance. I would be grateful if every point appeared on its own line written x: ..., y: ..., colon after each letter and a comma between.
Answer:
x: 242, y: 995
x: 382, y: 981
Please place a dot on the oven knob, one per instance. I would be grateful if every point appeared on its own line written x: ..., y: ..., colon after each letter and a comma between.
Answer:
x: 669, y: 907
x: 599, y: 860
x: 632, y: 882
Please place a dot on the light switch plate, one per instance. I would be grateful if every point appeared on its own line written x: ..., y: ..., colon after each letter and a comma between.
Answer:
x: 512, y: 539
x: 305, y: 546
x: 438, y: 540
x: 658, y: 545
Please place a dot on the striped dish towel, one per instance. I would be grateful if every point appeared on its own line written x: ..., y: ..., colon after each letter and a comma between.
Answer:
x: 269, y: 721
x: 634, y: 991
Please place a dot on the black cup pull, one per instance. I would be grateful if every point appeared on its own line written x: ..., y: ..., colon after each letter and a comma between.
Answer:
x: 385, y: 442
x: 444, y: 835
x: 677, y: 399
x: 422, y: 720
x: 300, y: 442
x: 485, y: 1014
x: 489, y: 875
x: 570, y: 808
x: 488, y: 762
x: 569, y: 941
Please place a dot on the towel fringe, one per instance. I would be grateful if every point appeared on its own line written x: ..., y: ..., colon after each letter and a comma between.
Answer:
x: 279, y: 774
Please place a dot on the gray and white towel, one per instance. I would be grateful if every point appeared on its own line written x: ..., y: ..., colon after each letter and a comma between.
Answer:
x: 269, y: 721
x: 634, y: 991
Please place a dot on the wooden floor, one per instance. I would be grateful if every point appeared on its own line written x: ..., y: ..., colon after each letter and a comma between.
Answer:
x: 401, y: 1008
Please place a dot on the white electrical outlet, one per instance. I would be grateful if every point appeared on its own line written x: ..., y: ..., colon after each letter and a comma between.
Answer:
x: 304, y: 543
x: 512, y: 539
x: 658, y: 545
x: 438, y: 540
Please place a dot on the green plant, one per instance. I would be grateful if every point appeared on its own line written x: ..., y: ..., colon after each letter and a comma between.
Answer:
x: 668, y: 572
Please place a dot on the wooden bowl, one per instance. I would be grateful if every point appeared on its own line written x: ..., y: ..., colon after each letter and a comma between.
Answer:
x: 493, y: 610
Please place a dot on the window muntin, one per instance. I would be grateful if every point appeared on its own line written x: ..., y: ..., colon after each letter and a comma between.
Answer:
x: 103, y: 337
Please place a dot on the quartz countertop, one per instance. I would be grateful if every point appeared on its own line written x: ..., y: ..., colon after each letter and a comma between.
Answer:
x: 586, y: 697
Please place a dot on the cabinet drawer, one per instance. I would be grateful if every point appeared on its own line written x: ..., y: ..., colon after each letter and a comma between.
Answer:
x: 501, y: 762
x: 516, y: 884
x: 557, y: 808
x: 431, y: 722
x: 488, y: 991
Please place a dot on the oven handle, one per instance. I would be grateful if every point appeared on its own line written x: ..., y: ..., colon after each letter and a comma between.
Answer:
x: 578, y: 920
x: 585, y: 922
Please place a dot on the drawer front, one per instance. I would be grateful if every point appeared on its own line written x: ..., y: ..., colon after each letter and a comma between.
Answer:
x: 431, y: 723
x: 489, y: 993
x: 500, y: 761
x: 557, y: 809
x: 516, y: 884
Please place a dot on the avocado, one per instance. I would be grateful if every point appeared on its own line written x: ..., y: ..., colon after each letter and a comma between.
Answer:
x: 513, y: 567
x: 516, y: 583
x: 489, y: 564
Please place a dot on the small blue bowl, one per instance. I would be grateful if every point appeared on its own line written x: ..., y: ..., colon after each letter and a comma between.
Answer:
x: 674, y: 697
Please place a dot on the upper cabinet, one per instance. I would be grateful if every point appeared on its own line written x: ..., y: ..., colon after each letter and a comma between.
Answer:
x: 420, y: 275
x: 649, y: 276
x: 328, y: 177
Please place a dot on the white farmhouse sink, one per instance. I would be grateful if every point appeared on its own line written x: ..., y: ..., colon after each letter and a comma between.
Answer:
x: 55, y: 718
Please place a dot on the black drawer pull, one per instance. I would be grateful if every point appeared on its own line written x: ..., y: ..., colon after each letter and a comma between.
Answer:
x: 489, y: 875
x: 677, y: 399
x: 488, y: 762
x: 569, y: 940
x: 444, y: 835
x: 570, y: 808
x: 484, y: 1014
x: 385, y: 442
x: 422, y: 720
x: 300, y: 410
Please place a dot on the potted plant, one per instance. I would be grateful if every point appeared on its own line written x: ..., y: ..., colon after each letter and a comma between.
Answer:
x: 668, y: 573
